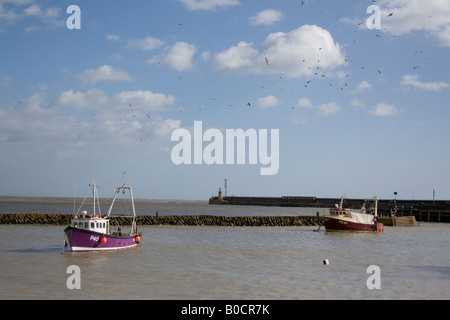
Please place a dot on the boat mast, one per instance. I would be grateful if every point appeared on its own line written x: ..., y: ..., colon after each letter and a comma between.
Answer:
x: 123, y: 187
x: 133, y: 223
x: 114, y: 200
x: 376, y: 207
x: 132, y: 202
x: 93, y: 193
x: 95, y: 199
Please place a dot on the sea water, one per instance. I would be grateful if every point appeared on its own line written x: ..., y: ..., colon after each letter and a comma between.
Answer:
x: 230, y: 263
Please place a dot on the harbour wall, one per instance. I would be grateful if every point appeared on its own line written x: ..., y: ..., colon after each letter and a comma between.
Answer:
x: 172, y: 220
x: 209, y: 220
x: 314, y: 202
x: 423, y: 210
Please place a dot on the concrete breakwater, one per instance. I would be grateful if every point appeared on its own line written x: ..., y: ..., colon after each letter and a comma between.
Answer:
x: 191, y: 220
x: 384, y: 205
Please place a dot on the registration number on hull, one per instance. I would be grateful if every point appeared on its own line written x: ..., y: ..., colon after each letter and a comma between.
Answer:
x: 94, y: 238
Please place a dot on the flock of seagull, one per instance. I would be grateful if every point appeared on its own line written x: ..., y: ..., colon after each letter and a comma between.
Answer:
x: 315, y: 72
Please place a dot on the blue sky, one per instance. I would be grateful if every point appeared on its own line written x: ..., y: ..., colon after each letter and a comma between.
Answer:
x: 360, y: 112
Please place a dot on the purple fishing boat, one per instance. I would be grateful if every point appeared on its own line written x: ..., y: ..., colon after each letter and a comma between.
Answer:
x: 92, y: 232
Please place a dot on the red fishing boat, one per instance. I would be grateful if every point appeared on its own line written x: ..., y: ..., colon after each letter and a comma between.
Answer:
x: 340, y: 219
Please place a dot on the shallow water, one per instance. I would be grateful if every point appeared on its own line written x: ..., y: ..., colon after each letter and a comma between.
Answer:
x: 231, y: 263
x: 147, y: 207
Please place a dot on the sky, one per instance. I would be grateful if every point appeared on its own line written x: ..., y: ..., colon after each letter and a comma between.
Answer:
x: 360, y: 100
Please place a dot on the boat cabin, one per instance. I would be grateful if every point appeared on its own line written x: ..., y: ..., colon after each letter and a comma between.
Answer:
x: 91, y: 223
x: 340, y: 212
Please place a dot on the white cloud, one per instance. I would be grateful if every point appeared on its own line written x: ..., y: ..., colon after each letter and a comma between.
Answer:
x: 7, y: 16
x: 321, y: 110
x: 129, y: 101
x: 180, y: 56
x: 194, y: 5
x: 354, y: 21
x: 266, y: 17
x: 357, y: 103
x: 384, y: 110
x: 206, y: 56
x: 304, y: 103
x: 47, y: 15
x: 33, y: 10
x: 314, y: 111
x: 93, y: 98
x: 163, y: 128
x: 267, y: 102
x: 24, y: 121
x: 12, y: 11
x: 51, y: 17
x: 444, y: 35
x: 113, y: 37
x: 240, y: 58
x: 144, y: 100
x: 413, y: 80
x: 293, y: 54
x: 104, y: 73
x: 85, y: 124
x: 432, y: 16
x: 327, y: 109
x: 146, y: 44
x: 364, y: 85
x: 116, y: 56
x: 33, y: 106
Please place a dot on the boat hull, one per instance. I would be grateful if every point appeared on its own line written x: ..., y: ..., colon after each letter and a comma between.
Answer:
x: 85, y: 240
x: 336, y: 224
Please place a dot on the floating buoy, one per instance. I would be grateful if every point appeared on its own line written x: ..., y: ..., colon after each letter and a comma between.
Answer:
x: 103, y: 240
x: 137, y: 239
x: 326, y: 262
